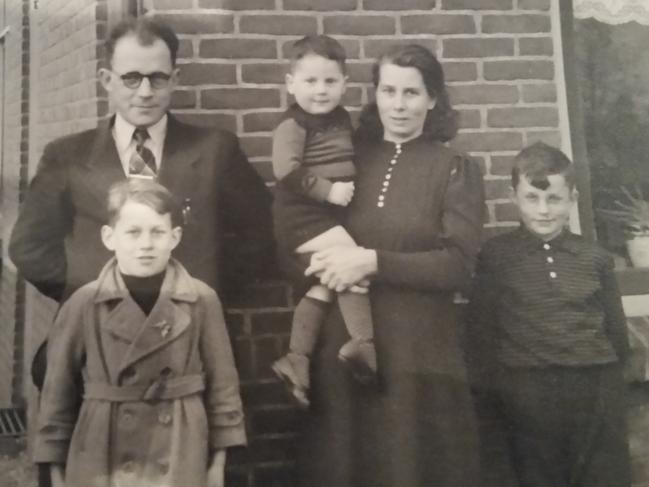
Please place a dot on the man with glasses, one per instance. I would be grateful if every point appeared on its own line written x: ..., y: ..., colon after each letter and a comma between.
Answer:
x: 56, y: 243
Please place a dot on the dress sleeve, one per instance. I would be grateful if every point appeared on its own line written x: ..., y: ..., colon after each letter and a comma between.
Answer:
x: 449, y: 266
x: 615, y: 320
x: 61, y: 397
x: 222, y: 399
x: 288, y: 151
x: 481, y: 315
x: 36, y: 246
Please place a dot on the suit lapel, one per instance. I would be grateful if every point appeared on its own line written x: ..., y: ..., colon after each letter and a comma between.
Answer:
x: 104, y: 164
x: 180, y: 154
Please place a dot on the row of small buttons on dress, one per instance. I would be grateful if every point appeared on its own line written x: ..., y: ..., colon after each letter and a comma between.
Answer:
x: 386, y: 181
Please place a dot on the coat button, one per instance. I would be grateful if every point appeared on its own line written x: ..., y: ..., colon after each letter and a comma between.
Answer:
x: 128, y: 466
x: 127, y: 420
x: 163, y: 467
x: 164, y: 417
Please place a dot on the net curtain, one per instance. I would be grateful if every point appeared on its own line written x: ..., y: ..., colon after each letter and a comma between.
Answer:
x: 613, y: 11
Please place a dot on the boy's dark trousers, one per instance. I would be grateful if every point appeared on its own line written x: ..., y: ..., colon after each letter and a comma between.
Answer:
x: 567, y: 425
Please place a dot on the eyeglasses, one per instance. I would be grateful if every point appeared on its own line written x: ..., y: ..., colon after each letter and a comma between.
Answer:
x: 133, y: 79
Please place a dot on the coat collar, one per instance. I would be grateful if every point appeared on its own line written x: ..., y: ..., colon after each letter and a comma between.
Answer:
x: 177, y: 285
x: 126, y: 321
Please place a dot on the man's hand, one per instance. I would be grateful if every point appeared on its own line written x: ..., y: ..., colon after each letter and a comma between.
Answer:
x: 341, y: 193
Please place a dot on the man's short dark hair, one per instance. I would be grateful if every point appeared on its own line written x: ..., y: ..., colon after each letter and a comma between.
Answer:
x: 146, y: 30
x: 540, y: 160
x: 320, y: 45
x: 146, y: 192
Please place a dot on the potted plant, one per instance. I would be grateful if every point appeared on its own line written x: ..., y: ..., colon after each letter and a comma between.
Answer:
x: 632, y: 212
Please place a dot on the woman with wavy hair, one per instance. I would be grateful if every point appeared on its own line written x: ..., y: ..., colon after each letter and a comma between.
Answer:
x: 417, y: 216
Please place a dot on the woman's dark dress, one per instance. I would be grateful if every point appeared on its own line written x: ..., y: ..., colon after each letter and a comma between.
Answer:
x: 418, y: 428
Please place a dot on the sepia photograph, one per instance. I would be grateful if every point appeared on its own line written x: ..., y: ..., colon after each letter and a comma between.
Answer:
x: 324, y: 243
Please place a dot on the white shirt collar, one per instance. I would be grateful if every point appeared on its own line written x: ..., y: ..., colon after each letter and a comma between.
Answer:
x: 123, y: 132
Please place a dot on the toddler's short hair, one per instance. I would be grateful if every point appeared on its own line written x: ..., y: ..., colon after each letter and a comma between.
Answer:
x: 146, y: 192
x: 320, y: 45
x: 540, y: 160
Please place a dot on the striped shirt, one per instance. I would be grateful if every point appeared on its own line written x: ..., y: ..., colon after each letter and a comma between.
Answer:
x: 547, y: 303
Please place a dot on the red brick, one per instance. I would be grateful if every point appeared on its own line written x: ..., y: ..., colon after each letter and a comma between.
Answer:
x: 326, y: 5
x: 199, y: 24
x: 356, y: 25
x: 242, y: 350
x: 352, y: 48
x: 496, y: 188
x: 470, y: 119
x: 238, y: 48
x: 506, y: 212
x: 264, y: 73
x: 238, y: 4
x: 494, y: 231
x: 536, y: 46
x: 460, y: 71
x: 210, y: 119
x: 273, y: 323
x: 278, y: 24
x: 437, y: 24
x: 523, y: 117
x: 478, y: 94
x: 240, y: 98
x: 376, y: 47
x: 183, y: 99
x: 534, y: 4
x: 488, y: 141
x: 270, y: 294
x: 172, y: 4
x: 474, y: 47
x: 477, y: 4
x: 207, y: 74
x: 510, y: 70
x: 501, y: 165
x: 261, y: 121
x: 256, y: 146
x: 360, y: 72
x: 516, y: 24
x: 550, y: 137
x: 266, y: 350
x: 539, y: 93
x: 185, y: 49
x: 403, y: 5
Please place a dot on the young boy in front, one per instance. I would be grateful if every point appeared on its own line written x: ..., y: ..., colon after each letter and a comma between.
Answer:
x: 546, y: 317
x: 147, y: 345
x: 312, y: 162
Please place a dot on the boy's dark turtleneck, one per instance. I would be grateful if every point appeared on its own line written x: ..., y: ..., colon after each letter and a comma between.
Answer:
x: 144, y: 290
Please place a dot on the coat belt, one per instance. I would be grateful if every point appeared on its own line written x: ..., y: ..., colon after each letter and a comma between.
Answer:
x: 160, y: 388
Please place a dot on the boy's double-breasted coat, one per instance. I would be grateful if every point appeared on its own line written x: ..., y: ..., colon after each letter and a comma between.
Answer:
x: 160, y: 391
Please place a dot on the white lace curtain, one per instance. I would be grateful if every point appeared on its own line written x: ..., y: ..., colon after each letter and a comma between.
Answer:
x: 613, y: 11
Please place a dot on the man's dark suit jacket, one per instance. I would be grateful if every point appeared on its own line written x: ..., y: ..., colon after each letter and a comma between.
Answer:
x: 56, y: 242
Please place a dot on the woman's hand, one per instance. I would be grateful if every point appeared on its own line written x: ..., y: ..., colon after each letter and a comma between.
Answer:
x: 215, y: 474
x: 57, y: 475
x: 341, y: 268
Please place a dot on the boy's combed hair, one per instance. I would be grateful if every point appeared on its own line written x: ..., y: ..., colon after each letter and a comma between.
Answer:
x: 320, y: 45
x: 146, y: 192
x: 146, y: 30
x: 540, y: 160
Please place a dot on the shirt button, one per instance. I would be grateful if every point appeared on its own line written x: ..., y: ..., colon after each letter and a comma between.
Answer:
x: 550, y: 260
x: 381, y: 198
x: 546, y: 246
x: 553, y: 275
x: 380, y: 204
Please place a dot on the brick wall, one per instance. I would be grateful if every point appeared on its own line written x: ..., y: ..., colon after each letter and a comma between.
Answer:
x: 499, y: 62
x: 14, y: 155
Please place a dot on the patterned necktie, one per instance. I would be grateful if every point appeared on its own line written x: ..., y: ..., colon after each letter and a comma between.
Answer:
x: 142, y: 163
